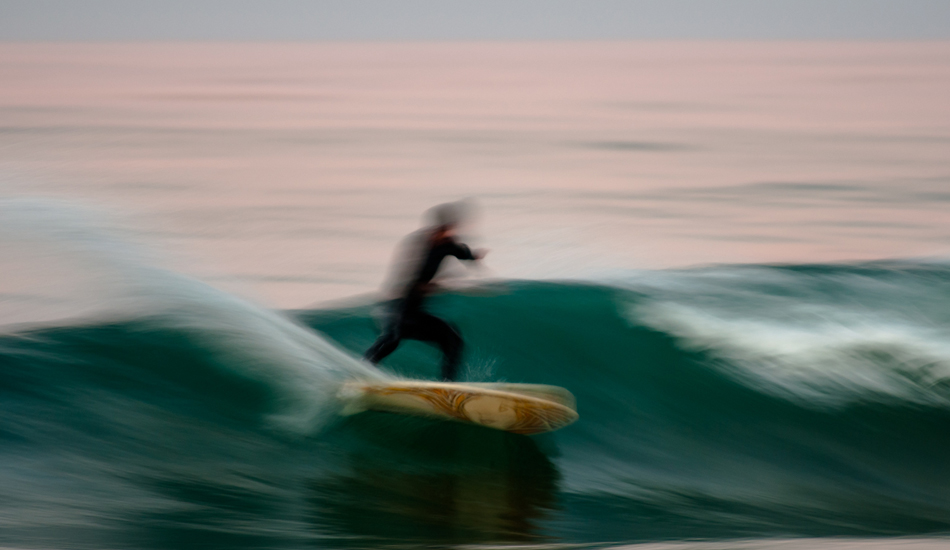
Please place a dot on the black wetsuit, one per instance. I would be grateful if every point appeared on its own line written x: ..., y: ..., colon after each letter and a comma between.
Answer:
x: 410, y: 321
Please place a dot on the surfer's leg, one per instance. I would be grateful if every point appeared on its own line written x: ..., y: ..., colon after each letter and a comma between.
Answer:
x: 386, y: 343
x: 393, y: 332
x: 430, y: 328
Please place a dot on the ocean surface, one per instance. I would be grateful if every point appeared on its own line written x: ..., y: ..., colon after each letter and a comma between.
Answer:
x: 733, y: 254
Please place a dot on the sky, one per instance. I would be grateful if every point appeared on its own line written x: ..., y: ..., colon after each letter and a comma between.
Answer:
x: 319, y: 20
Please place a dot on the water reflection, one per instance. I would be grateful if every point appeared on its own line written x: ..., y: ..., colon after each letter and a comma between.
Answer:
x: 419, y: 481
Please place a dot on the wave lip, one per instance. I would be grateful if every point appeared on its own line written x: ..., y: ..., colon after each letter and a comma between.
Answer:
x: 825, y: 337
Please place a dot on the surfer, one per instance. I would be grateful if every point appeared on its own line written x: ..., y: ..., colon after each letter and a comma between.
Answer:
x: 414, y: 282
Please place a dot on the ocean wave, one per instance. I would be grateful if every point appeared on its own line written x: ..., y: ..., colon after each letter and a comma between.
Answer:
x: 714, y: 403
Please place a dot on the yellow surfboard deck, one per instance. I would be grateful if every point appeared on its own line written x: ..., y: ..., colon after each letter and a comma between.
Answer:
x: 517, y: 408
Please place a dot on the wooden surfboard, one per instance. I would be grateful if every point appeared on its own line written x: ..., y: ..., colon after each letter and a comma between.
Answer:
x: 517, y: 408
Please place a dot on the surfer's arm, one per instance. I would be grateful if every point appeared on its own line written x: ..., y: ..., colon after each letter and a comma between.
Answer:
x: 463, y: 252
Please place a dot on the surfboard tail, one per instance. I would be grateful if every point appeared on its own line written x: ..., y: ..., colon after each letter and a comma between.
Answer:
x: 353, y: 397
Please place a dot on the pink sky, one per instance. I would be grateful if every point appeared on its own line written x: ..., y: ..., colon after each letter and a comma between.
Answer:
x: 295, y: 168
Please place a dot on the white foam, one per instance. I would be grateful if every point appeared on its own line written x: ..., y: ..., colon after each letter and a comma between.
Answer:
x: 84, y: 269
x: 879, y: 343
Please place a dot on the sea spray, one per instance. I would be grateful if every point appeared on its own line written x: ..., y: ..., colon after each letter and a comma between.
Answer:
x: 113, y: 280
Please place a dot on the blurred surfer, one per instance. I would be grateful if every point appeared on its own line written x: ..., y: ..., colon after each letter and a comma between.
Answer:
x: 422, y: 255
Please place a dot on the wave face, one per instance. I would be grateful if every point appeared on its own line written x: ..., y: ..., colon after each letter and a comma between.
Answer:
x: 716, y: 403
